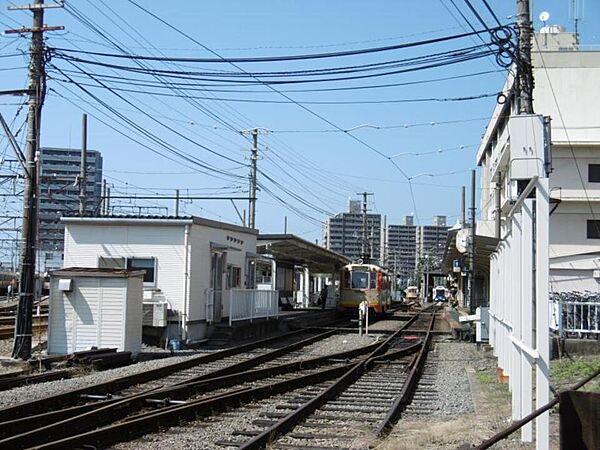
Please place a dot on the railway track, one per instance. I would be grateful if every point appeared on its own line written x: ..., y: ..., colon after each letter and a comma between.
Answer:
x: 323, y: 387
x: 82, y: 409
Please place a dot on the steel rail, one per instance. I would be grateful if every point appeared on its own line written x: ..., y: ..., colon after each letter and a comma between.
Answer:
x: 288, y: 422
x: 173, y: 415
x: 416, y: 370
x: 54, y: 402
x: 34, y: 429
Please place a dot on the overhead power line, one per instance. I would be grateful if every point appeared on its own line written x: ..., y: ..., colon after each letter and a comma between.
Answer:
x: 219, y: 59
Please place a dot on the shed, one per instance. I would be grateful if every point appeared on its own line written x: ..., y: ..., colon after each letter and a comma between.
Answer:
x: 92, y: 307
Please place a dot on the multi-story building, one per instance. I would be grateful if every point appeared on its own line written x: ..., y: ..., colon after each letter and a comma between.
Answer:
x: 401, y: 249
x: 343, y: 233
x: 430, y: 242
x: 59, y: 196
x: 566, y: 91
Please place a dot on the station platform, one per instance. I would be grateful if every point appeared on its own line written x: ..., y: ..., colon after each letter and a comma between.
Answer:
x: 286, y: 321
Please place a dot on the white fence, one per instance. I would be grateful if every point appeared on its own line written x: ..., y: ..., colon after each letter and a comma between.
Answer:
x: 519, y: 305
x: 248, y: 304
x: 574, y: 317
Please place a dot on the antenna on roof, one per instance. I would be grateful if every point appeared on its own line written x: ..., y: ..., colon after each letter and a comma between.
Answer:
x: 576, y: 14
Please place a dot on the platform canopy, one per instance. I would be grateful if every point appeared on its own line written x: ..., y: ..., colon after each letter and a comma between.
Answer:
x: 484, y: 247
x: 291, y: 249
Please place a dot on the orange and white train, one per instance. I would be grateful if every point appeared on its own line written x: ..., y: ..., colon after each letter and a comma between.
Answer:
x: 360, y: 281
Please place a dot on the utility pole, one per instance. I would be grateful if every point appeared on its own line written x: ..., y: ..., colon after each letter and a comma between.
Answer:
x: 176, y: 202
x: 103, y: 203
x: 524, y: 70
x: 365, y: 239
x: 254, y: 132
x: 36, y: 88
x: 463, y: 208
x: 471, y: 280
x: 498, y: 206
x: 83, y: 167
x: 253, y: 159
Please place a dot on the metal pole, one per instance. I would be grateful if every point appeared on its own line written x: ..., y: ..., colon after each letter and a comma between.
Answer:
x: 176, y: 202
x: 253, y: 159
x: 284, y: 224
x: 364, y: 227
x: 524, y: 71
x: 498, y: 209
x: 22, y: 343
x: 83, y: 166
x: 463, y: 207
x: 472, y: 246
x: 104, y: 211
x: 107, y: 201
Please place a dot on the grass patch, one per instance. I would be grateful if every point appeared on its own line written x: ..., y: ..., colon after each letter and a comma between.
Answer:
x: 568, y: 371
x: 485, y: 378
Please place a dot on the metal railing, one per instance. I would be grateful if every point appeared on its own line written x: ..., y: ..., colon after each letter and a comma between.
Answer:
x: 575, y: 314
x: 249, y: 304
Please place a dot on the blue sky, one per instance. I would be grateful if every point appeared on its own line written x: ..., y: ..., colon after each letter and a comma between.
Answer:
x: 315, y: 167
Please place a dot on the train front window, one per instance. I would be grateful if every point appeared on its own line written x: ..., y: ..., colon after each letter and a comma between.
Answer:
x: 359, y: 280
x: 373, y: 280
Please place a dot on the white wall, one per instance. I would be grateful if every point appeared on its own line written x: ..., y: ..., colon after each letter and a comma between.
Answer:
x: 568, y: 280
x: 84, y: 244
x: 96, y: 313
x: 200, y: 238
x: 565, y: 181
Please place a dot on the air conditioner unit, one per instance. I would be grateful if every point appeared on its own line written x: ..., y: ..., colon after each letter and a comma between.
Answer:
x: 154, y: 314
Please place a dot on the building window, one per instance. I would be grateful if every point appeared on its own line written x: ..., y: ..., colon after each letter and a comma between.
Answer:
x: 594, y: 173
x: 234, y: 276
x: 147, y: 264
x: 593, y: 229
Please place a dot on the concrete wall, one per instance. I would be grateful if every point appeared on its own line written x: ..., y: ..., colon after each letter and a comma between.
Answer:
x: 568, y: 280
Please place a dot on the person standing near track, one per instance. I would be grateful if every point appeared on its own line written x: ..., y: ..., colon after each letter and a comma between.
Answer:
x: 323, y: 296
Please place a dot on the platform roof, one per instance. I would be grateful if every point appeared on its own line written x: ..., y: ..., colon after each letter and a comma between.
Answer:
x: 484, y: 247
x: 292, y: 249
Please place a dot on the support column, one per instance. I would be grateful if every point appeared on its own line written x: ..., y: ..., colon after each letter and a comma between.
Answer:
x: 527, y: 317
x: 515, y: 320
x: 306, y: 287
x: 542, y: 373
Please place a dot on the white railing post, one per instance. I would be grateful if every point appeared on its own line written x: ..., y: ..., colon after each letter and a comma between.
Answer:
x: 231, y: 311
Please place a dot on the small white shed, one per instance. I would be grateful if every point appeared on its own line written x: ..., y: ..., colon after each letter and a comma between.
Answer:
x: 92, y: 307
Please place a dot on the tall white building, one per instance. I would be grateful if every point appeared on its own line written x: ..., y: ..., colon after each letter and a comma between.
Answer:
x: 566, y: 91
x: 343, y: 233
x: 401, y: 249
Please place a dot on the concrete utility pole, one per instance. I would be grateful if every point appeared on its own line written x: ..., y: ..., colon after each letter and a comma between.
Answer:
x: 176, y: 202
x: 83, y: 167
x: 365, y: 239
x: 253, y: 159
x: 36, y: 87
x: 524, y: 70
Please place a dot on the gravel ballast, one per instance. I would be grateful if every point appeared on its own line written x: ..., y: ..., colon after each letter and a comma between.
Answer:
x: 42, y: 390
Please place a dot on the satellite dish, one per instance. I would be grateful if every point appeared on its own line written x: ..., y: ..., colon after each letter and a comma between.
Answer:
x: 544, y: 16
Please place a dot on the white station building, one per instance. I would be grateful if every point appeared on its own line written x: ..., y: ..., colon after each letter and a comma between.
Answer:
x: 195, y: 268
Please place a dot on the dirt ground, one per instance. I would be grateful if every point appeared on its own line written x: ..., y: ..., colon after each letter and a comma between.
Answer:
x: 491, y: 401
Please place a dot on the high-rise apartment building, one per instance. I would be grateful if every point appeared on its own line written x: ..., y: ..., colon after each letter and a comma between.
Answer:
x: 401, y: 248
x: 343, y: 233
x: 430, y: 243
x: 59, y: 196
